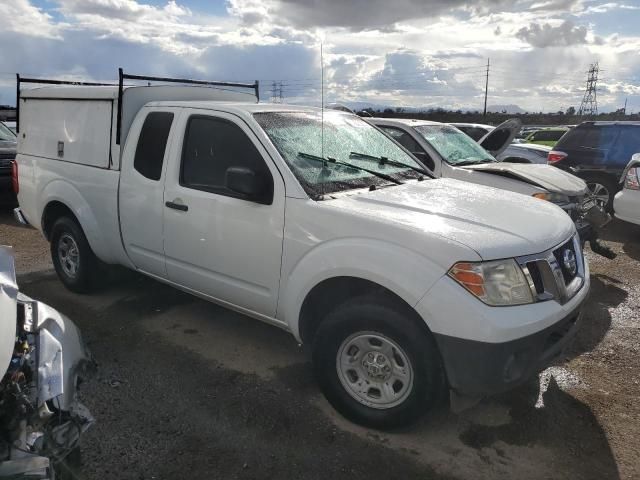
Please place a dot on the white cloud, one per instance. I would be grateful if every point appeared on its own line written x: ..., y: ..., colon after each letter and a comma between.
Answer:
x: 548, y: 35
x: 411, y: 52
x: 21, y: 17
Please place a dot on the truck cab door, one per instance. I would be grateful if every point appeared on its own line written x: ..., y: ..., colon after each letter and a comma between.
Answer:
x: 141, y: 194
x: 221, y: 240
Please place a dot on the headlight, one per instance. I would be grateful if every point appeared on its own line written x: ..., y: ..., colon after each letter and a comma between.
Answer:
x: 496, y: 283
x: 557, y: 198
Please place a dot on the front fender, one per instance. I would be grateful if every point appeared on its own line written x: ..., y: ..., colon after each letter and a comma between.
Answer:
x: 406, y: 273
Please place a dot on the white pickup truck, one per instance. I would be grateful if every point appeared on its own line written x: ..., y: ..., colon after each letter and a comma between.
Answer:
x: 403, y: 286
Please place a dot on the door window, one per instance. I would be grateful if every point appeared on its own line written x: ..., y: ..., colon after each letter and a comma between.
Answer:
x: 213, y: 145
x: 152, y: 144
x: 408, y: 142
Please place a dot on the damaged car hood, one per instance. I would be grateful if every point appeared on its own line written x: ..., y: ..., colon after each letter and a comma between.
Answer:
x: 8, y: 306
x: 546, y: 176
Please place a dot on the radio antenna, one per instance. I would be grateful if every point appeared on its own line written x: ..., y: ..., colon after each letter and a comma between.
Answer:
x: 322, y: 104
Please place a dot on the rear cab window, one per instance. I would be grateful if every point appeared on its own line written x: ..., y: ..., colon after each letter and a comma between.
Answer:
x: 152, y: 144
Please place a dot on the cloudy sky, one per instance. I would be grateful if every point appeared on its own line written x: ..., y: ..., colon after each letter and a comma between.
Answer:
x: 389, y: 52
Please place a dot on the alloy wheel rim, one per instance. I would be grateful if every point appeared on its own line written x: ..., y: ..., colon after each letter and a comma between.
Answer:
x: 68, y: 255
x: 374, y: 370
x: 599, y: 193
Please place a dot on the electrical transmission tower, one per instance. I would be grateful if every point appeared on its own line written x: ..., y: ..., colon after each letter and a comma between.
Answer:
x: 589, y: 105
x: 276, y: 92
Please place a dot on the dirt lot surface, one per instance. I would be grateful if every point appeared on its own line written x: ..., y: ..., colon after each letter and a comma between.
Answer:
x: 186, y: 389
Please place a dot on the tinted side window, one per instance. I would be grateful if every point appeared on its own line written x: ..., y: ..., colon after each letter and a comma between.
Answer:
x: 211, y: 146
x: 403, y: 138
x: 547, y: 135
x: 628, y: 143
x: 474, y: 132
x: 152, y: 144
x: 589, y: 137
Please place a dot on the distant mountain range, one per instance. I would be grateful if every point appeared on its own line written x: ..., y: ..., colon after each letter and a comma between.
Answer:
x: 357, y: 106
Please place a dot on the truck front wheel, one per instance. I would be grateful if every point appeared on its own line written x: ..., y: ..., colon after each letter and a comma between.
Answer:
x: 75, y: 263
x: 375, y: 365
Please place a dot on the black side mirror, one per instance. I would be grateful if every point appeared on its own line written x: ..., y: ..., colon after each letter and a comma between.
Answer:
x: 249, y: 184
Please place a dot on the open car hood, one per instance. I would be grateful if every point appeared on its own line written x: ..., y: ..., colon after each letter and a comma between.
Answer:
x: 8, y: 307
x: 500, y: 137
x: 546, y: 176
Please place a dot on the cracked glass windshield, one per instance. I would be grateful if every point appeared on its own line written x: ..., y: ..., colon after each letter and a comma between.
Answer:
x: 300, y: 139
x: 454, y: 147
x: 6, y: 135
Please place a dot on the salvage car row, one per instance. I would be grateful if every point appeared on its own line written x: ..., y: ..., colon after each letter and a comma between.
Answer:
x: 405, y: 258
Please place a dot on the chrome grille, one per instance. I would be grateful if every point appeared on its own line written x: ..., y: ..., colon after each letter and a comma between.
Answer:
x: 550, y: 275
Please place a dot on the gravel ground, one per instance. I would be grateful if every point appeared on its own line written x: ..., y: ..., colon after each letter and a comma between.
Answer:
x: 186, y: 389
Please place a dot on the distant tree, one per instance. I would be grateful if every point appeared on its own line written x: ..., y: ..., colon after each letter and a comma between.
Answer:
x: 571, y: 111
x: 399, y: 110
x: 387, y: 110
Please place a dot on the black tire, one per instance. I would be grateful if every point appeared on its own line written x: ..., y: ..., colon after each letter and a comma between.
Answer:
x: 366, y: 314
x: 89, y: 269
x: 605, y: 181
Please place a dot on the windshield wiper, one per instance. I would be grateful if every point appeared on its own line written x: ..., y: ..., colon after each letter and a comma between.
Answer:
x: 476, y: 161
x: 328, y: 160
x: 386, y: 161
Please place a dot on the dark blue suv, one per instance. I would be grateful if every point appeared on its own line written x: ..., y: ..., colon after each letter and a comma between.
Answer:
x: 598, y: 152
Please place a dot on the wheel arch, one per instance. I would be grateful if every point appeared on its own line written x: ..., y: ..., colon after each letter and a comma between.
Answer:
x: 351, y: 266
x: 335, y: 291
x: 61, y: 198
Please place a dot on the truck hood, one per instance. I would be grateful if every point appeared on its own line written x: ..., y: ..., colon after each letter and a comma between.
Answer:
x: 8, y: 307
x: 494, y: 223
x: 546, y: 176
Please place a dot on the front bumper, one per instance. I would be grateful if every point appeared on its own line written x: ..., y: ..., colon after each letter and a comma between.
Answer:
x: 480, y: 368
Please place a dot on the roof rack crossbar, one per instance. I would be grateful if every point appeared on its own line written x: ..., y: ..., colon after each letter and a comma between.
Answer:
x: 128, y: 76
x: 48, y: 81
x: 185, y: 80
x: 121, y: 78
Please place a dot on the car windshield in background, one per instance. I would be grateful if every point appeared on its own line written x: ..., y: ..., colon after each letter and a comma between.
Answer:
x: 298, y: 136
x: 454, y: 147
x: 6, y: 135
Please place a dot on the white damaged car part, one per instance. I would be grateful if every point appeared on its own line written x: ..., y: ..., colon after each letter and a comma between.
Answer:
x: 42, y: 357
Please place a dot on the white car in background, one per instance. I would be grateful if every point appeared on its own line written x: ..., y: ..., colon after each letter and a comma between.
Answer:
x: 524, y: 153
x: 514, y: 152
x: 446, y: 152
x: 626, y: 203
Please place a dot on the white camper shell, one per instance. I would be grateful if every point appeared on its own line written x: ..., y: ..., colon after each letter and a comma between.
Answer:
x: 89, y: 133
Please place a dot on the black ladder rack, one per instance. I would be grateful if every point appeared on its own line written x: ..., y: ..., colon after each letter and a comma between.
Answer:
x: 122, y: 76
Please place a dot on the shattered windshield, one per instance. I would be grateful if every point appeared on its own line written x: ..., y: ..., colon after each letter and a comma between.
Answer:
x: 6, y: 135
x: 299, y: 136
x: 454, y: 146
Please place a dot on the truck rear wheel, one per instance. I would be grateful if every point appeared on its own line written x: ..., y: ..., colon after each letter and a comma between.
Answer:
x: 75, y: 263
x: 375, y: 365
